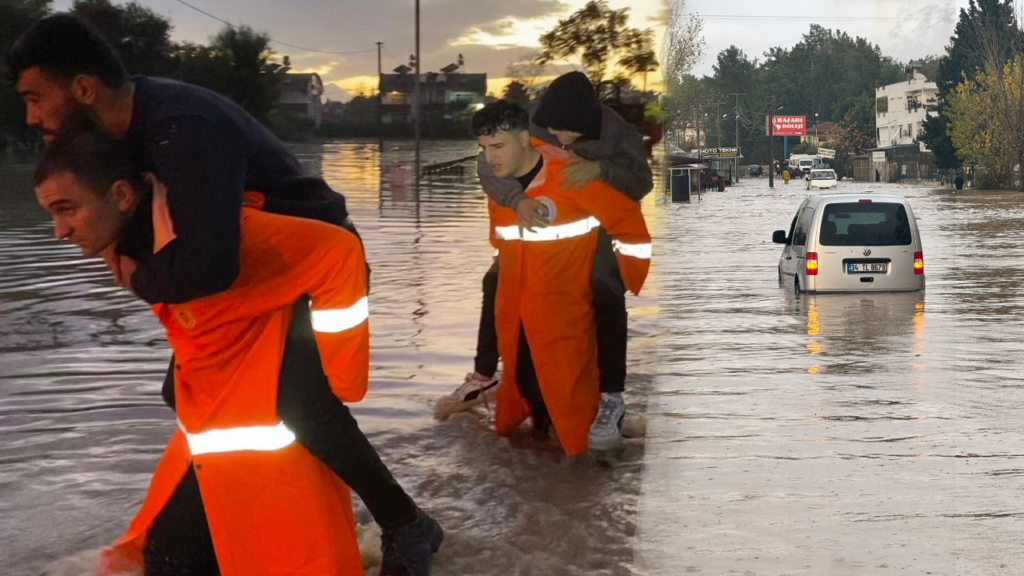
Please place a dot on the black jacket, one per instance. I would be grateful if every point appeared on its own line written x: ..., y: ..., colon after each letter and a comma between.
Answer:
x: 207, y: 150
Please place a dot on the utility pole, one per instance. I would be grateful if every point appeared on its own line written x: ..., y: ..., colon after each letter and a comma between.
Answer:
x: 380, y: 98
x: 737, y: 95
x: 417, y: 92
x: 700, y: 120
x: 771, y: 145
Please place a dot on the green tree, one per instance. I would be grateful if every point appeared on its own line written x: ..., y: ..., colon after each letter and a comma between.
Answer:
x: 828, y: 73
x: 253, y: 79
x: 856, y: 112
x: 986, y: 34
x: 986, y: 123
x: 934, y: 135
x: 141, y: 37
x: 930, y: 66
x: 849, y: 139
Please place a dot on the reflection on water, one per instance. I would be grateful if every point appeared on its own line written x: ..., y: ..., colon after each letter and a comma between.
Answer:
x: 840, y: 433
x: 82, y: 422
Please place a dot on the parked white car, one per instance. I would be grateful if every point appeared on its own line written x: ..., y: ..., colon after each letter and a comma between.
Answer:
x: 822, y: 179
x: 852, y: 243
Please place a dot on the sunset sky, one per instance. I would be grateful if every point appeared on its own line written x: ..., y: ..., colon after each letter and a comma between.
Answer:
x: 489, y: 34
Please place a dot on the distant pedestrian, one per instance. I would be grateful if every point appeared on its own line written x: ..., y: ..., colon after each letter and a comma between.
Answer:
x: 959, y: 182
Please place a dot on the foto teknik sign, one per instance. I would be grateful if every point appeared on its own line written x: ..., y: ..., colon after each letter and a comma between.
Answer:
x: 787, y: 126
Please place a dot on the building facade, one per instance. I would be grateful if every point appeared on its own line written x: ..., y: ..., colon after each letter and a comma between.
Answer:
x: 438, y: 90
x: 821, y: 135
x: 900, y: 109
x: 300, y: 97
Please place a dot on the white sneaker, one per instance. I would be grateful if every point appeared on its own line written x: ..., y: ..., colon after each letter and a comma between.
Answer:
x: 474, y: 390
x: 606, y: 430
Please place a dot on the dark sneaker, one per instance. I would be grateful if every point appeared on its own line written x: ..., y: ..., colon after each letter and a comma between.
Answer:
x: 409, y: 550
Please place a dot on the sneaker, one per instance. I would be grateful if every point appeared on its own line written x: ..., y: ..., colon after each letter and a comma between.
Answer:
x: 607, y: 427
x: 474, y: 390
x: 409, y: 550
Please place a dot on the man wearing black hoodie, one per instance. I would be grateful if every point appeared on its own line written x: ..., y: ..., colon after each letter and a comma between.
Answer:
x: 207, y: 151
x: 606, y: 147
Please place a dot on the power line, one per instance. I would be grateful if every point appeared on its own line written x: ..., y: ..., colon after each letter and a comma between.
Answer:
x: 223, y: 21
x: 815, y: 18
x: 392, y: 56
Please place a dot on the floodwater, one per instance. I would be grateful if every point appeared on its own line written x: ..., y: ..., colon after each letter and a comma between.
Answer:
x: 81, y: 362
x: 849, y: 434
x: 853, y: 434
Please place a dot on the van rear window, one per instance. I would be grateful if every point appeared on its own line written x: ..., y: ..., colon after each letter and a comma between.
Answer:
x: 865, y: 224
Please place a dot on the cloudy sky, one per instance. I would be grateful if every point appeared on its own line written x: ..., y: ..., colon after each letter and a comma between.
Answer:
x: 491, y: 33
x: 904, y: 29
x: 488, y: 33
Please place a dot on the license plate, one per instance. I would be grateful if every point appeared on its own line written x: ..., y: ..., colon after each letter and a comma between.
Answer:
x: 861, y: 268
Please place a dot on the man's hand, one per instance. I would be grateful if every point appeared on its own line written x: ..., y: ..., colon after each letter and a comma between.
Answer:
x: 163, y: 227
x: 579, y: 172
x: 531, y: 214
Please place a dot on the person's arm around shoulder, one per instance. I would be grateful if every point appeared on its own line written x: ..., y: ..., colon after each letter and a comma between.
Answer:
x: 626, y: 169
x: 204, y: 172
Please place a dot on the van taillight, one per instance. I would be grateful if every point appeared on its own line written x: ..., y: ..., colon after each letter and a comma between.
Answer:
x: 812, y: 263
x: 865, y: 201
x: 918, y: 262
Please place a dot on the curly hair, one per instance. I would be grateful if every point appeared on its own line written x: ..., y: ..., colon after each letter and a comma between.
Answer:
x: 500, y: 115
x: 64, y: 46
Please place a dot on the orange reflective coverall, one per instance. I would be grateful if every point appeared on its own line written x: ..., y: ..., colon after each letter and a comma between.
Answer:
x: 272, y: 508
x: 545, y: 287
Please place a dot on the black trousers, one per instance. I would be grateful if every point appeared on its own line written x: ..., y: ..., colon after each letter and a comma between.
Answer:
x: 179, y: 542
x: 325, y: 427
x: 610, y: 318
x: 529, y: 386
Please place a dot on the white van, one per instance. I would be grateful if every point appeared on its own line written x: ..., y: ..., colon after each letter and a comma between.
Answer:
x: 852, y: 243
x: 822, y: 179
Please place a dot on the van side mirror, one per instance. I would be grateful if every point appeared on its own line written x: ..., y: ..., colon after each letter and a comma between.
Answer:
x: 779, y: 237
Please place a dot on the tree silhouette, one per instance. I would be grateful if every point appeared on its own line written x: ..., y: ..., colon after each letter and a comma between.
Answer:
x: 639, y: 55
x: 516, y: 92
x: 595, y: 34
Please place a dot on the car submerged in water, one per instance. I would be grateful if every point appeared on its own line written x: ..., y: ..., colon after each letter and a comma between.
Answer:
x: 852, y: 243
x: 822, y: 179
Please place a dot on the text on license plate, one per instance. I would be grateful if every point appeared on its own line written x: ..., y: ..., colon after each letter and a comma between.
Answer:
x: 882, y: 267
